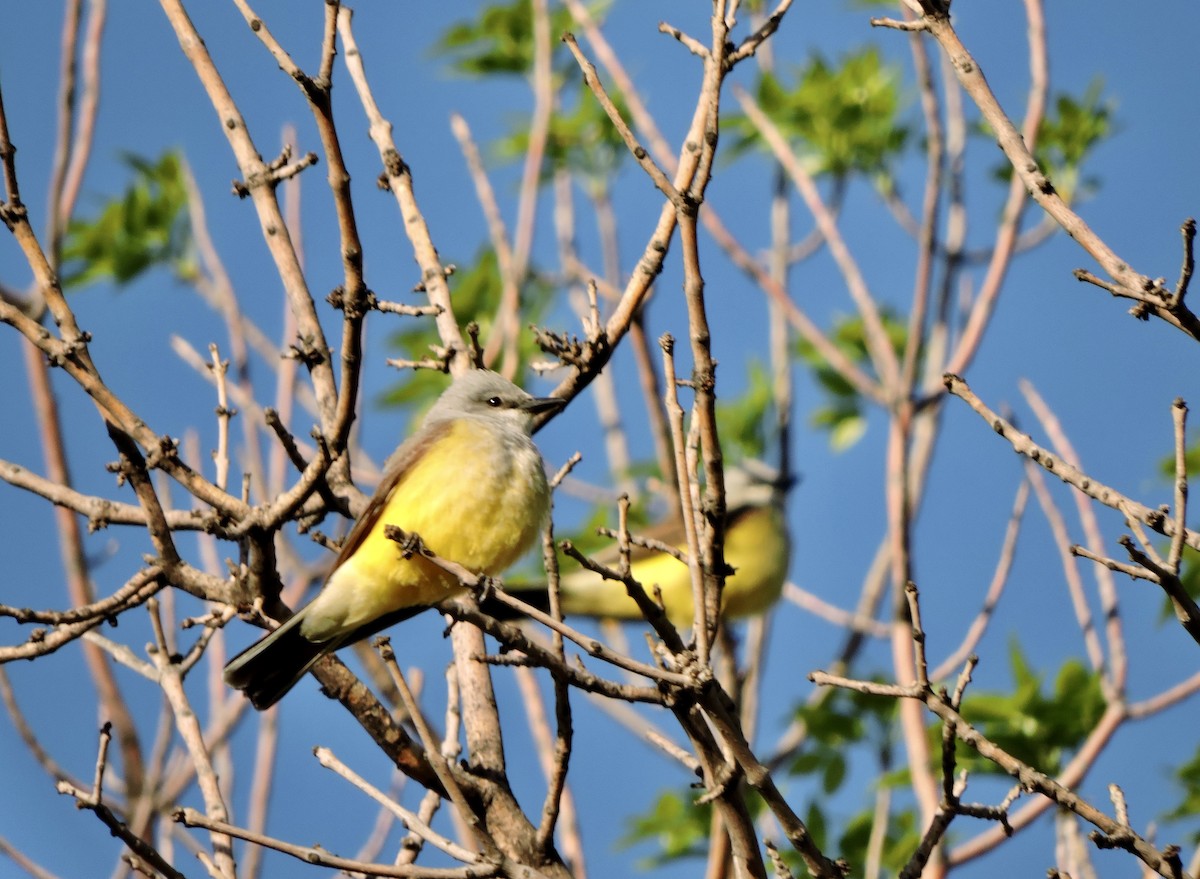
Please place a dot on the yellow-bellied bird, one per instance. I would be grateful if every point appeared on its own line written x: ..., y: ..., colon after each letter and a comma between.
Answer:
x: 470, y: 482
x: 756, y: 548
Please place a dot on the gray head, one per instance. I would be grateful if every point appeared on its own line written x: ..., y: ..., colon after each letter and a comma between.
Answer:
x: 483, y: 394
x: 752, y: 483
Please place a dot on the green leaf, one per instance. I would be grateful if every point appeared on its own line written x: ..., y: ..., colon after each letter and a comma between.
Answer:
x: 1191, y: 461
x: 743, y: 420
x: 1187, y: 777
x: 499, y: 40
x: 842, y: 413
x: 678, y: 826
x: 582, y: 140
x: 817, y: 826
x: 1067, y: 134
x: 847, y: 432
x: 899, y: 841
x: 144, y: 227
x: 1038, y: 728
x: 476, y: 295
x: 844, y: 118
x: 834, y: 774
x: 833, y: 728
x: 586, y: 539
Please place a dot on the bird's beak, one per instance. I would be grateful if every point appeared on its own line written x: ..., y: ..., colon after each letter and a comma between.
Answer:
x: 536, y: 405
x: 785, y: 483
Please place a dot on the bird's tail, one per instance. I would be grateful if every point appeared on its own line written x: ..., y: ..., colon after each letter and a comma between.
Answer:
x: 531, y: 593
x: 271, y: 666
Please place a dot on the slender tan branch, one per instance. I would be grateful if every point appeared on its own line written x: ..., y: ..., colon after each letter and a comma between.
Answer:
x: 1023, y: 444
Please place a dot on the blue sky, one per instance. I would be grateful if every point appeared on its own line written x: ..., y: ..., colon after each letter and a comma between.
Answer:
x: 1110, y: 379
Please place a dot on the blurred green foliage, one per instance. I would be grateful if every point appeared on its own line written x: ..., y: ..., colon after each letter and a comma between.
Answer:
x: 744, y: 420
x: 475, y: 293
x: 842, y: 412
x: 1191, y: 462
x: 844, y: 118
x: 144, y: 227
x: 900, y: 839
x: 836, y: 728
x: 834, y: 725
x: 1189, y: 577
x: 676, y: 824
x: 1187, y: 777
x: 1038, y: 728
x: 499, y: 40
x: 1070, y: 130
x: 582, y: 141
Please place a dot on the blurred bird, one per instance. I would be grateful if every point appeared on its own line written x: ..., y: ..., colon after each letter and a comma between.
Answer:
x: 756, y: 547
x: 470, y: 482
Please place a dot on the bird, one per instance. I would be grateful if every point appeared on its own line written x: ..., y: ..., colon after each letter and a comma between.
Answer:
x: 469, y: 482
x: 757, y: 548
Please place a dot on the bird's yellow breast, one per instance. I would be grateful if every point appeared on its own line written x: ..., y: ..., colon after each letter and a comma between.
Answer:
x: 756, y: 547
x: 477, y: 496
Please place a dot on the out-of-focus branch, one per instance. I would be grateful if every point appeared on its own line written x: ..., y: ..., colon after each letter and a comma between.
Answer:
x: 78, y: 577
x: 412, y: 821
x: 936, y: 148
x: 1083, y: 612
x: 1008, y: 231
x: 69, y: 350
x: 978, y: 627
x: 1053, y: 791
x: 687, y: 512
x: 504, y: 327
x: 1117, y: 657
x: 186, y: 723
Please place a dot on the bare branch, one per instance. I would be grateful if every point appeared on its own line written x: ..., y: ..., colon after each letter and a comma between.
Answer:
x: 1110, y: 497
x: 317, y: 855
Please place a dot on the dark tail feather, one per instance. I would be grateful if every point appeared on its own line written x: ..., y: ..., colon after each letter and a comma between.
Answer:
x: 536, y: 596
x: 270, y: 667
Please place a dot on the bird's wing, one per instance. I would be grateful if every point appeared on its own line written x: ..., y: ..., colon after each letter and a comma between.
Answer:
x: 398, y: 466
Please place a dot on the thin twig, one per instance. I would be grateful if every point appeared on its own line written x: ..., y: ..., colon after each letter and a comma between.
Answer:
x: 319, y: 856
x: 1179, y: 411
x: 413, y: 822
x: 1110, y: 497
x: 643, y: 158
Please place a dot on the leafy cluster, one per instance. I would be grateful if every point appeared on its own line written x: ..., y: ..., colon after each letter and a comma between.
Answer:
x: 144, y: 227
x: 582, y: 141
x: 677, y: 824
x: 1071, y: 129
x: 743, y: 420
x: 842, y: 412
x: 1187, y: 777
x: 497, y: 41
x: 844, y: 118
x: 1037, y: 728
x: 476, y: 291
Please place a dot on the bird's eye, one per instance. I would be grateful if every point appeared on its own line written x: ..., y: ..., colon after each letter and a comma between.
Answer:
x: 494, y: 402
